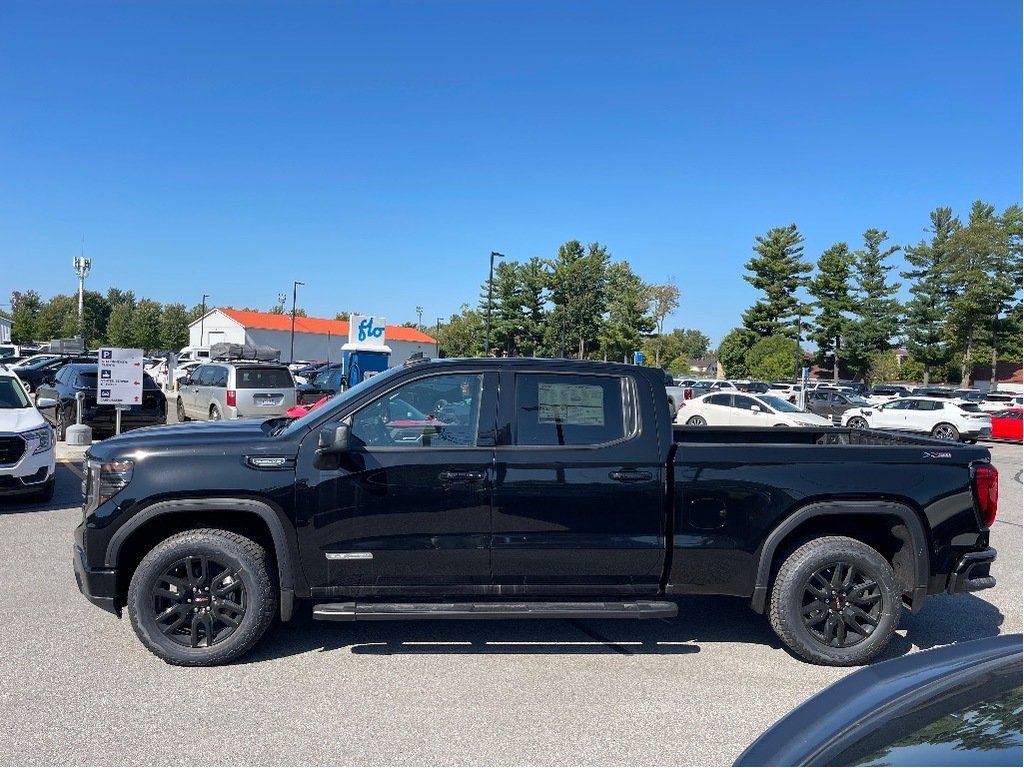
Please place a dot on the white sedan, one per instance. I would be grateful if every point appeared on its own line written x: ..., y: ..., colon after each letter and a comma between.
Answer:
x: 938, y: 416
x: 743, y: 409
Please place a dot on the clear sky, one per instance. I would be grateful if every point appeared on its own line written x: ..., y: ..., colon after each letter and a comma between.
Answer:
x: 379, y: 151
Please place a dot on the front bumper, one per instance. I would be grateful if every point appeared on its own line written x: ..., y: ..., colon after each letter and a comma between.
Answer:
x: 99, y: 586
x: 29, y: 474
x: 971, y: 573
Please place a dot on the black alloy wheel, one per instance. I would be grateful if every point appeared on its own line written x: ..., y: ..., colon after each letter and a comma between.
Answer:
x: 946, y: 431
x: 202, y: 597
x: 835, y: 601
x: 857, y: 422
x: 198, y: 601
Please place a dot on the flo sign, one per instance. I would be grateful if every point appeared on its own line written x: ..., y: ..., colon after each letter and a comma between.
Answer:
x: 366, y: 331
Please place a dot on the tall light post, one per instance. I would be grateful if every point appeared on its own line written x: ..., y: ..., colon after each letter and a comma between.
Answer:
x: 82, y: 266
x: 490, y: 292
x: 202, y: 319
x: 419, y: 318
x: 295, y: 289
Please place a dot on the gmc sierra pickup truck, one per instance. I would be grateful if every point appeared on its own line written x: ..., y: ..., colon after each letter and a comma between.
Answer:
x: 512, y: 488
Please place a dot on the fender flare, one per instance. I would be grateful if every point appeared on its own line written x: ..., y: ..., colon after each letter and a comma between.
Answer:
x: 285, y: 567
x: 918, y: 543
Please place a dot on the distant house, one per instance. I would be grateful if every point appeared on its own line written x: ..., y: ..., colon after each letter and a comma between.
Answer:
x: 1009, y: 376
x: 315, y: 338
x: 704, y: 367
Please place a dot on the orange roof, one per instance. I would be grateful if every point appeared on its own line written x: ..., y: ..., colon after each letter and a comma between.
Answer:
x: 268, y: 321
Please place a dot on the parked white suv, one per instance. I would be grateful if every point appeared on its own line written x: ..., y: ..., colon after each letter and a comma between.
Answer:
x: 940, y: 417
x: 27, y: 451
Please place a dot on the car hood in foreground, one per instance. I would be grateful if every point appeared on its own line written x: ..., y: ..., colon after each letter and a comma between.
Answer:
x: 20, y: 419
x: 181, y: 438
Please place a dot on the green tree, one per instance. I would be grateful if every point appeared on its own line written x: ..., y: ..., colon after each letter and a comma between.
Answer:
x: 117, y: 296
x: 876, y: 317
x: 664, y: 300
x: 95, y: 314
x: 732, y: 352
x: 146, y: 325
x: 534, y: 277
x: 25, y: 308
x: 771, y: 358
x: 830, y: 288
x: 928, y: 308
x: 620, y: 334
x: 678, y: 348
x: 58, y: 318
x: 508, y: 321
x: 578, y: 283
x: 982, y: 282
x: 119, y: 326
x: 884, y: 367
x: 460, y: 336
x: 779, y: 272
x: 174, y: 327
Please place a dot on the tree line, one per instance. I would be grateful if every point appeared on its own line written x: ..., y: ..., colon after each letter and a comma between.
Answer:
x: 964, y: 282
x: 579, y: 304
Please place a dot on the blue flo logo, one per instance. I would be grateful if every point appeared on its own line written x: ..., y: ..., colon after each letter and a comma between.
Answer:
x: 368, y: 331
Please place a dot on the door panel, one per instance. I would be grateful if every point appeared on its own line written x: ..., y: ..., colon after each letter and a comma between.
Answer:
x: 573, y: 508
x: 407, y: 509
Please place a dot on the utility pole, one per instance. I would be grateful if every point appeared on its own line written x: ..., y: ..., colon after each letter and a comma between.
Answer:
x: 490, y: 292
x: 295, y: 288
x: 202, y: 319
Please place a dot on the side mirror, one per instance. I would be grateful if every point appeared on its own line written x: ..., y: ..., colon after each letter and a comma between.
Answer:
x: 335, y: 439
x: 755, y: 408
x: 45, y: 403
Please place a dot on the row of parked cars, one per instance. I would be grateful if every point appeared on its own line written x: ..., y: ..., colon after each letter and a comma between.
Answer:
x: 946, y: 414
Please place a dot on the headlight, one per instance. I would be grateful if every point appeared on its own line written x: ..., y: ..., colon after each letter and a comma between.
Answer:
x: 38, y: 440
x: 104, y: 481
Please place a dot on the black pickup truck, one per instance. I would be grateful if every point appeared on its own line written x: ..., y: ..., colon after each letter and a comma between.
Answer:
x: 510, y: 488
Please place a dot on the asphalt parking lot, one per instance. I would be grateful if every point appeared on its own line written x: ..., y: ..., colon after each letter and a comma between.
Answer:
x: 77, y: 688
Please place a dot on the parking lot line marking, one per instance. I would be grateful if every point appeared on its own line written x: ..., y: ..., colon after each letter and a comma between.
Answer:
x: 73, y: 466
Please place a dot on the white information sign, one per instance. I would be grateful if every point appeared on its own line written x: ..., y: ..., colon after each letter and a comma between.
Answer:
x: 580, y: 404
x: 366, y: 331
x: 120, y: 376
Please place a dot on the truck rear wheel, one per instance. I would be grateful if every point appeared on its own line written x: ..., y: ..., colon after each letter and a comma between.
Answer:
x: 202, y: 597
x: 835, y: 601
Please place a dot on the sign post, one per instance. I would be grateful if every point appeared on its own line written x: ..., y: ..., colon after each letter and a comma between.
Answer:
x: 119, y: 374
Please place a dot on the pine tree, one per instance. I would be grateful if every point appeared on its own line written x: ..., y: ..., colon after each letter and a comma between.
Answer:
x: 830, y: 288
x: 876, y: 317
x: 779, y: 272
x: 926, y: 313
x: 627, y: 319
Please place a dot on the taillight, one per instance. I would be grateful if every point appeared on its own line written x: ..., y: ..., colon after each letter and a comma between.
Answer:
x: 229, y: 398
x: 986, y: 491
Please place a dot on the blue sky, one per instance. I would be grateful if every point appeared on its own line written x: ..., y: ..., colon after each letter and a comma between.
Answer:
x: 379, y: 151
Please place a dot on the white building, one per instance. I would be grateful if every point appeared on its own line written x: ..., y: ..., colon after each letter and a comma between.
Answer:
x: 315, y: 338
x: 5, y: 330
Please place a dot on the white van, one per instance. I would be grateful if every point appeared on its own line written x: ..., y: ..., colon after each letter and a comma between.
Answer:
x: 190, y: 354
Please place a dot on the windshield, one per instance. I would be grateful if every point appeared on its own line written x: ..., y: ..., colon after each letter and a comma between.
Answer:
x: 11, y: 394
x: 333, y: 407
x: 857, y: 400
x: 784, y: 406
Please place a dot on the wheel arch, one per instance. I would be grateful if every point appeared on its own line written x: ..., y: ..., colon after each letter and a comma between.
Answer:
x: 248, y: 517
x: 892, y: 528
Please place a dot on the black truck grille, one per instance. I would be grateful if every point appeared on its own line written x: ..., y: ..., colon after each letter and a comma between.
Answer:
x: 12, y: 447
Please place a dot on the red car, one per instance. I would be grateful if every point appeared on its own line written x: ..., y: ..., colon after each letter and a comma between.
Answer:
x: 1006, y: 425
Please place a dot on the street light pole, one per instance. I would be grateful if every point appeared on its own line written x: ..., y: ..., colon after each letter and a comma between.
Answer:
x: 490, y: 292
x: 295, y: 290
x: 202, y: 319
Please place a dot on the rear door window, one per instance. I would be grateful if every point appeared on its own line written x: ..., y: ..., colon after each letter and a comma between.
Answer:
x: 263, y: 378
x: 572, y: 409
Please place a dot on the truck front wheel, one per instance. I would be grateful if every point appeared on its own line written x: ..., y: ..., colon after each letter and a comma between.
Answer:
x: 202, y: 597
x: 835, y: 601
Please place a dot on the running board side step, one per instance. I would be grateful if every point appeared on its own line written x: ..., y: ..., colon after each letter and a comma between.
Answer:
x: 634, y: 609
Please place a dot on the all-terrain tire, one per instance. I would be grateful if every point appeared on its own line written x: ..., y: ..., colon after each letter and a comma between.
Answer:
x: 202, y: 597
x: 835, y: 601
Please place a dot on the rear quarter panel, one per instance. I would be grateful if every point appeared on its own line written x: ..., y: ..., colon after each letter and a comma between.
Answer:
x: 728, y: 497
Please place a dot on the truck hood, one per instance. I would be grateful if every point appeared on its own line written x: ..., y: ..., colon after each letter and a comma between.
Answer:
x: 191, y: 438
x: 20, y: 419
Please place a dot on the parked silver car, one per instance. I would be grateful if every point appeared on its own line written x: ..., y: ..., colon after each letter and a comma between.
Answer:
x: 236, y: 390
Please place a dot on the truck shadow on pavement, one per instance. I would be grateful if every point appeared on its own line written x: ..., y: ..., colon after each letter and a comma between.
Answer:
x: 701, y: 620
